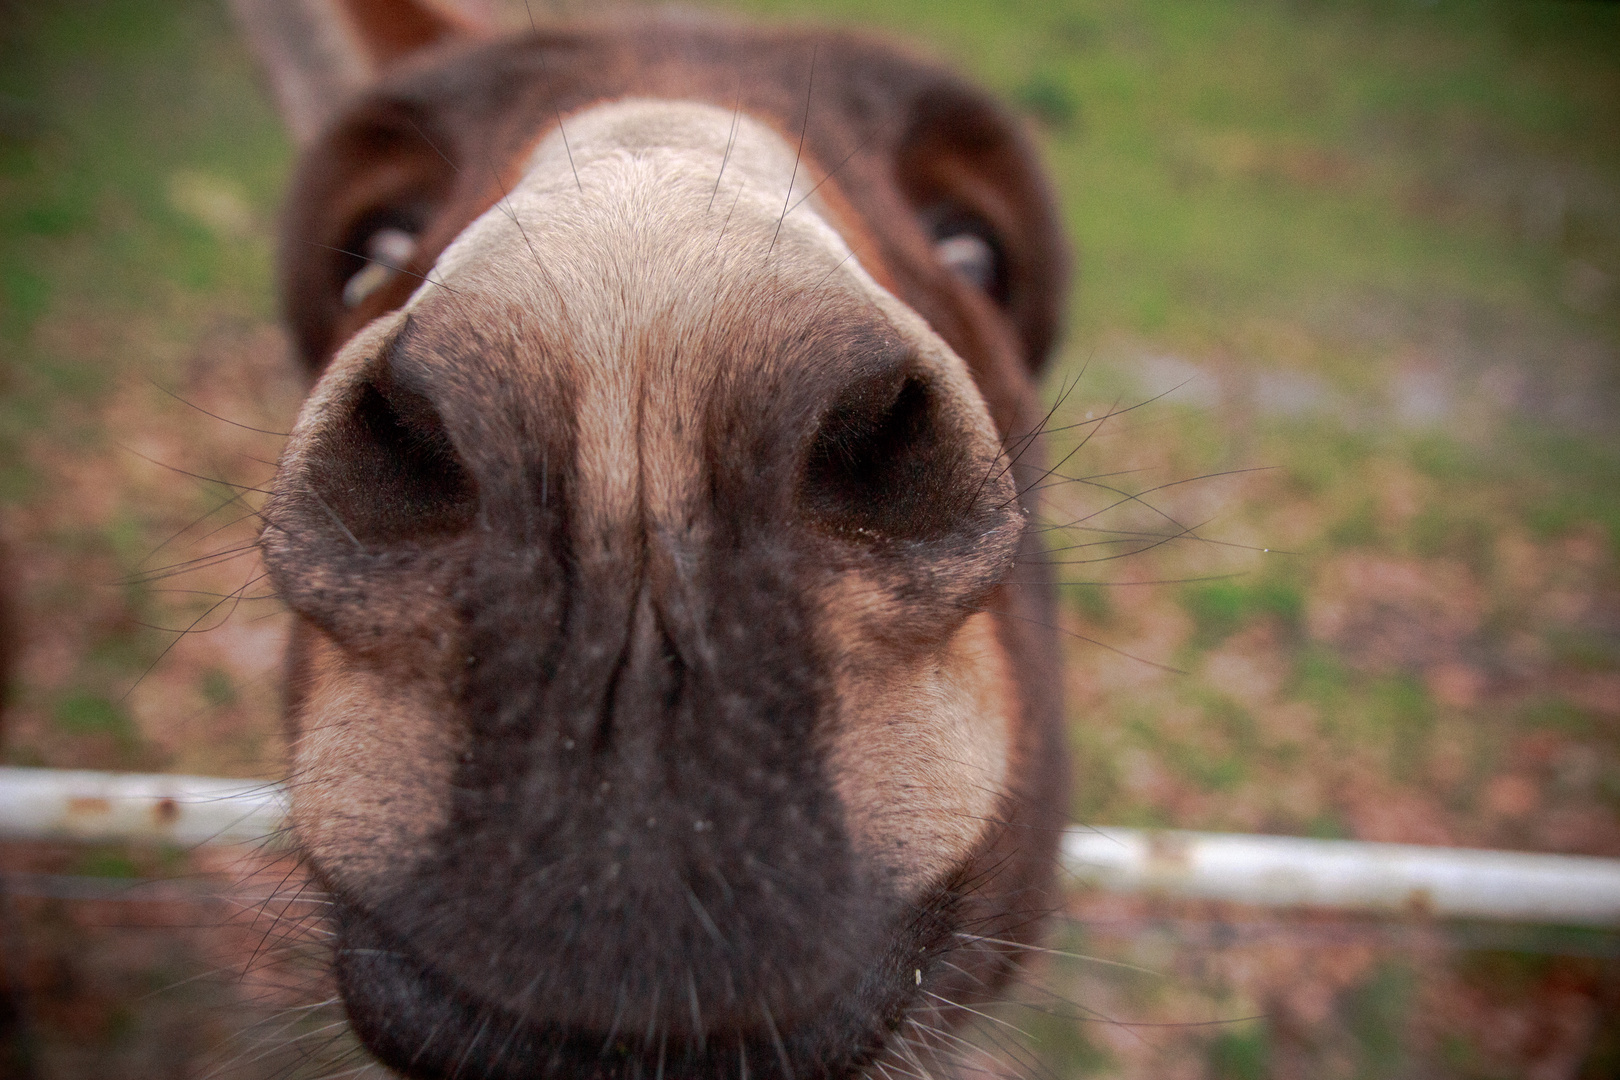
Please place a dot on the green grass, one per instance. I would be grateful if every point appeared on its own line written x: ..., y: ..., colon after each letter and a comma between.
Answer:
x: 1378, y: 1014
x: 92, y: 714
x: 1240, y: 1055
x: 1221, y: 608
x: 105, y: 106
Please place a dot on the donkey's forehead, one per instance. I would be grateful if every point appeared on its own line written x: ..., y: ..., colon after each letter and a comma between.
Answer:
x: 641, y: 227
x: 638, y: 209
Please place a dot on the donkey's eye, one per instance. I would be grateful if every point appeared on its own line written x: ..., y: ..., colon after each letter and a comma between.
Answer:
x: 967, y: 246
x: 386, y: 252
x: 970, y: 257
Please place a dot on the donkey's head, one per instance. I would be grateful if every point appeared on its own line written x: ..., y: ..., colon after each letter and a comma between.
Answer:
x: 663, y: 696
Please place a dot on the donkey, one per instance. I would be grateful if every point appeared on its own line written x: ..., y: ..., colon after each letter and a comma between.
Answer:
x: 672, y: 690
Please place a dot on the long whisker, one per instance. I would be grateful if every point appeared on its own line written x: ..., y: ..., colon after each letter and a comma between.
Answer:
x: 731, y: 137
x: 1023, y: 946
x: 1074, y: 634
x: 545, y: 73
x: 804, y: 130
x: 180, y: 635
x: 193, y: 405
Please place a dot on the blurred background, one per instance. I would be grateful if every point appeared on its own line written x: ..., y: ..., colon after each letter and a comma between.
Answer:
x: 1346, y: 565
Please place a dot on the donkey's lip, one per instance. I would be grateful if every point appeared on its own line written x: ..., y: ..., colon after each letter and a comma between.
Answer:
x: 410, y: 1016
x: 420, y: 1024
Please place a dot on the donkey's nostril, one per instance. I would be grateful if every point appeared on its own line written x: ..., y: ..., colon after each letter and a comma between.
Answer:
x: 889, y: 461
x: 388, y: 471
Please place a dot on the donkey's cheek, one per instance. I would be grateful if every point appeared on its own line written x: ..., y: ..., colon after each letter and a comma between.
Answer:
x: 372, y: 765
x: 921, y: 763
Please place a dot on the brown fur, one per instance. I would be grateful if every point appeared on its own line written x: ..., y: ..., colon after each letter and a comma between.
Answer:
x: 663, y: 695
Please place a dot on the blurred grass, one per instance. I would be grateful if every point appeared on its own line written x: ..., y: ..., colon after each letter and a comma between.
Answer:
x: 1374, y: 249
x: 101, y: 108
x: 1252, y: 158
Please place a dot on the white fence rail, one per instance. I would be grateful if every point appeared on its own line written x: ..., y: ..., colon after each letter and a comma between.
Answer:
x: 63, y: 804
x: 1270, y: 871
x: 1397, y: 879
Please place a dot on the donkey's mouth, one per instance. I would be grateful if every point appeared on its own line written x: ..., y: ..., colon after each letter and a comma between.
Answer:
x: 421, y: 1024
x: 416, y: 1021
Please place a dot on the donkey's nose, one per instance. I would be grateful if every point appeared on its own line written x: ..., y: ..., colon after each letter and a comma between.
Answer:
x: 372, y: 497
x: 376, y: 467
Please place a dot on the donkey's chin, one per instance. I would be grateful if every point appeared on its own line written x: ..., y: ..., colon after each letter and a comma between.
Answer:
x: 418, y: 1022
x: 422, y: 1023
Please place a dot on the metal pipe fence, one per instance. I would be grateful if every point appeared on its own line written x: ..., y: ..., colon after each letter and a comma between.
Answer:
x: 1266, y: 871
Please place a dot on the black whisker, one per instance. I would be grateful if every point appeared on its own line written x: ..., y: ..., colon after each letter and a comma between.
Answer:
x: 804, y: 130
x: 545, y: 73
x: 398, y: 269
x: 189, y: 565
x: 725, y: 159
x: 1074, y: 634
x: 181, y: 635
x: 216, y: 416
x: 847, y: 159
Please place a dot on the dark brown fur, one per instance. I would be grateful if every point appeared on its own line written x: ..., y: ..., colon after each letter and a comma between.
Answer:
x: 619, y: 849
